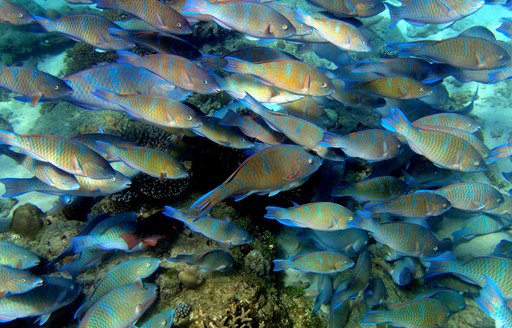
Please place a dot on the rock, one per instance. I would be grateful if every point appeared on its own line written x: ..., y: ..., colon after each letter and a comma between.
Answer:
x: 257, y: 264
x: 189, y: 279
x: 27, y: 220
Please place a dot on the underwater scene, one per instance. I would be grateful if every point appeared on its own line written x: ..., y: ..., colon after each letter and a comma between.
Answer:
x: 255, y: 163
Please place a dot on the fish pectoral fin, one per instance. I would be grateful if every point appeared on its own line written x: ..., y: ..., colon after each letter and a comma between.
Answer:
x: 292, y: 176
x: 273, y: 193
x: 2, y: 294
x: 222, y: 24
x: 307, y: 84
x: 478, y: 205
x: 480, y: 59
x: 35, y: 98
x: 403, y: 92
x: 160, y: 22
x: 42, y: 319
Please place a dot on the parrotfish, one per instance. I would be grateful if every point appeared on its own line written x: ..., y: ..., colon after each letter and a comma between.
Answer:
x: 421, y: 313
x: 277, y: 168
x: 405, y: 238
x: 403, y: 271
x: 351, y: 8
x: 228, y: 136
x: 396, y: 87
x: 156, y: 13
x: 504, y: 210
x: 225, y: 233
x: 375, y: 293
x: 253, y: 127
x: 89, y: 28
x: 208, y: 261
x: 163, y: 319
x: 324, y: 290
x: 15, y: 281
x: 471, y: 196
x: 308, y: 109
x: 358, y: 281
x: 252, y: 18
x: 120, y: 236
x: 90, y: 139
x: 337, y: 32
x: 506, y: 27
x: 493, y: 303
x: 251, y: 54
x: 67, y: 154
x: 175, y: 69
x: 15, y: 256
x: 417, y: 205
x: 480, y: 225
x: 443, y: 149
x: 32, y: 84
x: 500, y: 152
x: 371, y: 145
x: 315, y: 262
x: 289, y: 13
x: 322, y: 216
x: 377, y: 189
x: 452, y: 120
x: 451, y: 298
x: 14, y: 14
x: 120, y: 307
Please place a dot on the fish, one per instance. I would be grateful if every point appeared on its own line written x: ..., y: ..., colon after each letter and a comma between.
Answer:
x: 377, y: 189
x: 503, y: 249
x: 421, y: 313
x: 154, y: 12
x: 86, y: 259
x: 90, y: 139
x: 417, y: 205
x: 471, y: 196
x: 473, y: 270
x: 225, y: 233
x: 175, y: 69
x: 251, y: 18
x: 88, y: 28
x: 461, y: 52
x: 343, y: 35
x: 374, y: 293
x: 358, y: 281
x: 351, y: 8
x: 350, y: 241
x: 15, y: 281
x: 500, y: 152
x: 403, y: 271
x: 269, y: 171
x: 456, y: 154
x: 372, y: 145
x: 127, y: 272
x: 33, y: 85
x: 163, y: 319
x: 451, y: 298
x: 290, y: 75
x: 227, y: 136
x: 298, y: 130
x: 153, y: 162
x: 492, y: 302
x: 208, y: 261
x: 445, y: 12
x: 396, y: 87
x: 153, y: 109
x: 322, y: 216
x: 55, y: 293
x: 480, y: 225
x: 251, y: 54
x: 506, y: 27
x: 316, y: 262
x: 122, y: 79
x: 120, y: 307
x: 14, y: 256
x: 120, y: 236
x: 309, y: 109
x: 14, y: 14
x: 504, y: 210
x: 324, y: 291
x: 452, y: 120
x: 405, y: 238
x: 66, y: 154
x: 289, y: 13
x: 253, y: 127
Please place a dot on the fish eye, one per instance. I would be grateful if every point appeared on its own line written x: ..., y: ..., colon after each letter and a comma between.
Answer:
x: 56, y: 87
x: 20, y: 15
x: 324, y: 85
x: 205, y: 82
x: 350, y: 218
x: 477, y: 163
x: 113, y: 179
x: 173, y: 87
x: 148, y: 265
x: 435, y: 248
x: 189, y: 117
x: 284, y: 27
x: 310, y: 161
x: 178, y: 25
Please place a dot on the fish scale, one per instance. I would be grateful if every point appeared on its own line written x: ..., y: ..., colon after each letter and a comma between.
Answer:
x: 452, y: 120
x: 471, y: 196
x: 478, y: 144
x: 376, y: 189
x: 420, y: 204
x: 316, y: 262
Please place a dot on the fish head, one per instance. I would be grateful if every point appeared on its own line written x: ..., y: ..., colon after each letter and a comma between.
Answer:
x: 26, y: 281
x: 18, y: 15
x: 280, y: 30
x: 55, y: 89
x: 147, y: 268
x: 322, y: 86
x: 205, y: 84
x: 98, y: 169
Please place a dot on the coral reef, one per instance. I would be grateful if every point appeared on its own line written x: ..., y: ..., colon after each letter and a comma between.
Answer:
x: 27, y: 220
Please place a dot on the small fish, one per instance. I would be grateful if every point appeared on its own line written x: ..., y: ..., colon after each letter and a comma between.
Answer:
x: 290, y: 75
x: 16, y: 281
x: 377, y: 189
x: 289, y: 13
x: 227, y: 136
x: 153, y: 162
x: 403, y: 271
x: 451, y: 298
x: 480, y: 225
x: 405, y: 238
x: 337, y: 32
x: 120, y: 236
x: 163, y: 319
x: 315, y: 262
x: 471, y: 196
x: 506, y: 27
x: 90, y: 139
x: 121, y: 307
x: 33, y: 85
x: 324, y: 290
x: 269, y: 171
x: 175, y: 69
x: 358, y: 281
x: 443, y: 149
x: 504, y: 210
x: 253, y: 127
x: 493, y: 303
x: 251, y: 18
x: 55, y: 293
x: 323, y: 216
x: 461, y: 52
x: 208, y: 261
x: 417, y: 205
x: 309, y: 109
x: 396, y: 87
x: 225, y: 233
x: 154, y: 12
x: 350, y: 241
x: 14, y: 14
x: 503, y: 249
x: 351, y: 8
x: 86, y: 259
x: 89, y: 28
x: 500, y: 152
x: 375, y: 293
x: 371, y: 145
x: 15, y: 256
x: 452, y: 120
x: 153, y: 109
x: 421, y: 313
x: 255, y: 55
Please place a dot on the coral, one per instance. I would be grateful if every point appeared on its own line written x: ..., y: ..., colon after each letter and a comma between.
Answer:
x: 27, y: 220
x: 256, y: 263
x: 182, y: 309
x: 189, y: 279
x: 160, y: 190
x: 237, y: 315
x: 83, y: 56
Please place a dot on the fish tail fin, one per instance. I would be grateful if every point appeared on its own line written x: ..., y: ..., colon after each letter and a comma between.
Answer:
x: 107, y: 148
x: 342, y: 191
x: 362, y: 220
x: 206, y: 202
x: 303, y: 17
x: 126, y: 57
x: 280, y: 265
x: 252, y: 104
x: 15, y: 187
x: 210, y: 62
x: 8, y: 138
x: 273, y: 212
x: 175, y: 214
x: 235, y: 65
x: 81, y: 243
x: 490, y: 297
x: 499, y: 152
x: 105, y: 4
x: 440, y: 264
x: 394, y: 15
x: 331, y: 140
x: 375, y: 317
x: 46, y: 23
x: 458, y: 236
x: 374, y: 207
x: 498, y: 75
x: 232, y: 118
x: 196, y: 7
x: 396, y: 122
x: 410, y: 181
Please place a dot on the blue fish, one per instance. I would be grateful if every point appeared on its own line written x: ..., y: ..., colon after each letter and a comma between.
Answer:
x: 213, y: 260
x: 162, y: 319
x: 493, y: 303
x: 316, y: 262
